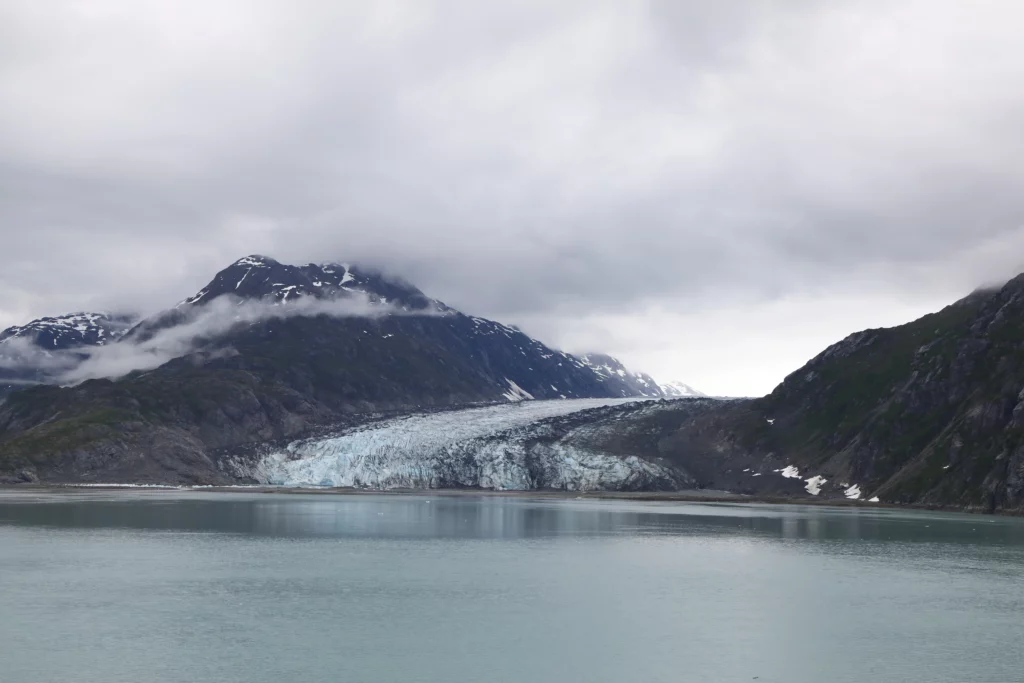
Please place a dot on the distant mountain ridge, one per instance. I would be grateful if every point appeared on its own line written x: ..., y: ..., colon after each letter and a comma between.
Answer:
x: 71, y: 331
x: 680, y: 390
x: 609, y: 368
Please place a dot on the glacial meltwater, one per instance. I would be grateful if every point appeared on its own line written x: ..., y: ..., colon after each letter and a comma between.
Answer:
x: 191, y: 586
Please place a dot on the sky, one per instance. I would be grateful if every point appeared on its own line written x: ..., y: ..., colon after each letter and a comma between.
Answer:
x: 713, y: 192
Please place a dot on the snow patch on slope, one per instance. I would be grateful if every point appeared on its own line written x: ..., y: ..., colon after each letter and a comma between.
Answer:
x: 814, y: 484
x: 516, y: 393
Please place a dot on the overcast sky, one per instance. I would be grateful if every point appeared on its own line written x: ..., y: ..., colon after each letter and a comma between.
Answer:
x: 713, y: 191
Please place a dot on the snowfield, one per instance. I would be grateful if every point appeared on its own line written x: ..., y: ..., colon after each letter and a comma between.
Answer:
x: 498, y: 447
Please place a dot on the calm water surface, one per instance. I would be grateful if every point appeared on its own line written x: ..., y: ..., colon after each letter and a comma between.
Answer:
x: 140, y: 587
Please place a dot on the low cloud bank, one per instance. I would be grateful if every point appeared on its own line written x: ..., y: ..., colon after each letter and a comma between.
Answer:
x: 205, y: 325
x: 20, y: 353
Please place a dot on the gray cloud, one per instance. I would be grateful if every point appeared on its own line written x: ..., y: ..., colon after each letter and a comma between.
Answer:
x: 573, y: 166
x: 17, y: 352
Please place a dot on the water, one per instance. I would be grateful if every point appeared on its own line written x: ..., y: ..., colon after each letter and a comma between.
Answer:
x: 139, y: 587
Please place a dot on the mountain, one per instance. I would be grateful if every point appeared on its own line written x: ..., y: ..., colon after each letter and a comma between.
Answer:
x: 928, y: 413
x: 260, y: 277
x: 679, y: 390
x: 275, y: 373
x: 38, y: 351
x: 508, y: 362
x: 269, y: 351
x: 70, y: 331
x: 612, y: 371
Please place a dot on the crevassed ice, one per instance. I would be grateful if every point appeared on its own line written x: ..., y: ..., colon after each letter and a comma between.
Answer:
x: 457, y: 448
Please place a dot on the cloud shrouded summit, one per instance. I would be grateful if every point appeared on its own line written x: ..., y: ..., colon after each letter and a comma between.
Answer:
x: 710, y: 191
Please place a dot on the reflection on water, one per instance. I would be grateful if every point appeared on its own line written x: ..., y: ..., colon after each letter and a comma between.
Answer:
x: 193, y: 586
x: 416, y: 516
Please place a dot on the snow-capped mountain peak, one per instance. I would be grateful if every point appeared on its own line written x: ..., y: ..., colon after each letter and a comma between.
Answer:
x: 71, y: 331
x: 400, y: 356
x: 256, y: 261
x: 608, y: 367
x: 265, y: 279
x: 679, y: 390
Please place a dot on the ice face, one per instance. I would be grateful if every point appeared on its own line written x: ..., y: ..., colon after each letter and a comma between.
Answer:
x: 479, y: 447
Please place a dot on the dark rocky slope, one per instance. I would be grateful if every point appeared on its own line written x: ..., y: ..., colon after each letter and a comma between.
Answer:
x: 928, y: 413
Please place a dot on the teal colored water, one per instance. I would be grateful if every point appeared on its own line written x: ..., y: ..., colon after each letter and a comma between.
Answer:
x: 140, y: 587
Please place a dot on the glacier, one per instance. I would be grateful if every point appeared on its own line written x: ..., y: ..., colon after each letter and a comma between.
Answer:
x: 500, y: 447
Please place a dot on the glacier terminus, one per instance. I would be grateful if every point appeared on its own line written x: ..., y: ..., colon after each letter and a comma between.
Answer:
x: 517, y: 446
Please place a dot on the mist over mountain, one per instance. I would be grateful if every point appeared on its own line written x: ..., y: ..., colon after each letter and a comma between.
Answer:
x: 43, y: 350
x: 257, y: 289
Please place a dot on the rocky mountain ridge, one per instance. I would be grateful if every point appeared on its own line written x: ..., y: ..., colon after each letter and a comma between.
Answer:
x: 929, y: 413
x: 679, y: 390
x: 261, y: 277
x: 70, y: 331
x: 609, y: 368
